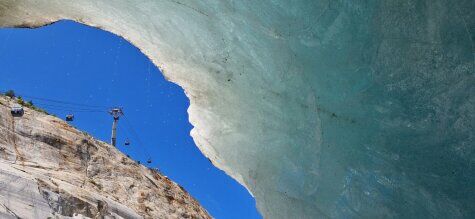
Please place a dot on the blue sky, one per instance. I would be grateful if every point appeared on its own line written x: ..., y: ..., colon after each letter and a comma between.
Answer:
x: 71, y: 62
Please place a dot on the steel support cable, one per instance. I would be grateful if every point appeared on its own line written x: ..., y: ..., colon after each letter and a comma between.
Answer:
x: 129, y: 133
x: 68, y: 108
x: 135, y: 136
x: 57, y: 101
x: 71, y: 111
x: 63, y: 102
x: 128, y: 123
x: 64, y: 106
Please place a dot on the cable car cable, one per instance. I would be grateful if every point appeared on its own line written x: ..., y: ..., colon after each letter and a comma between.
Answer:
x: 128, y: 123
x: 67, y: 108
x: 62, y: 102
x: 129, y: 132
x: 56, y: 101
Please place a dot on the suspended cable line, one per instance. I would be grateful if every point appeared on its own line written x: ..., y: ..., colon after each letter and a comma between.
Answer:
x: 62, y: 102
x: 69, y: 108
x: 68, y: 105
x: 36, y: 98
x: 129, y: 133
x: 131, y: 128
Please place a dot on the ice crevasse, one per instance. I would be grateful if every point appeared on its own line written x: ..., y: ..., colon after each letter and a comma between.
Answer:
x: 321, y: 108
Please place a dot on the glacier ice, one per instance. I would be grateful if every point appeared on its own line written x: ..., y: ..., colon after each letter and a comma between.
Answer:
x: 321, y: 108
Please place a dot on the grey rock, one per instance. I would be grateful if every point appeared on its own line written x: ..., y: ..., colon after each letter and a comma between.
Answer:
x: 48, y: 169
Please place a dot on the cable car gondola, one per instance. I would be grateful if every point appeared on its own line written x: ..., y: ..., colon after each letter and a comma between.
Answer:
x: 17, y: 111
x: 69, y: 117
x: 149, y: 161
x: 127, y: 142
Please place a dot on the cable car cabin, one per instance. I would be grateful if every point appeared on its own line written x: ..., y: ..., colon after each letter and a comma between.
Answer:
x: 69, y: 118
x: 149, y: 161
x: 127, y: 142
x: 17, y: 111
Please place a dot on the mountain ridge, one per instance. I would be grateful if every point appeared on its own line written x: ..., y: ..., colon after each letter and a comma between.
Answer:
x: 49, y: 169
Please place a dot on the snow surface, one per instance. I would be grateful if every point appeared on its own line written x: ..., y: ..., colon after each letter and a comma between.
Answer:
x: 320, y: 108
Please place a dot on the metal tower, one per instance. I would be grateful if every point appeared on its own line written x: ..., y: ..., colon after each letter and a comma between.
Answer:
x: 116, y: 113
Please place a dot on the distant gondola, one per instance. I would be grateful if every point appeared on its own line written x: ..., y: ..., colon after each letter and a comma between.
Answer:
x: 127, y: 142
x: 17, y: 111
x: 70, y: 117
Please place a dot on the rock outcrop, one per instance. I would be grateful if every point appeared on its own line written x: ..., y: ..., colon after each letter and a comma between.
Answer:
x: 48, y: 169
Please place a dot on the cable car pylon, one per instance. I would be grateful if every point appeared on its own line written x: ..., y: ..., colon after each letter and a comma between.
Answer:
x: 116, y: 113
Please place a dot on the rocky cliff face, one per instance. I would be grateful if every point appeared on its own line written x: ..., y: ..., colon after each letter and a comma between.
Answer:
x: 49, y: 169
